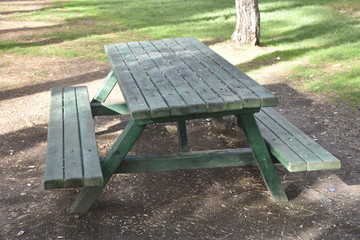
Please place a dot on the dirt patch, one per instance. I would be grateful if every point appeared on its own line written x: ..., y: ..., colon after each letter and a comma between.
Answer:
x: 17, y: 6
x: 222, y: 203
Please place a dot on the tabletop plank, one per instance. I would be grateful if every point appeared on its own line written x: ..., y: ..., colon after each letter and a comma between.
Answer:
x: 174, y: 101
x: 230, y: 100
x: 133, y: 97
x: 213, y: 101
x: 249, y: 98
x: 156, y: 103
x: 191, y: 98
x: 267, y: 99
x: 181, y: 77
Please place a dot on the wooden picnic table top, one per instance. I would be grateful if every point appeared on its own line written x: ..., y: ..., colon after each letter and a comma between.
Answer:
x: 180, y: 77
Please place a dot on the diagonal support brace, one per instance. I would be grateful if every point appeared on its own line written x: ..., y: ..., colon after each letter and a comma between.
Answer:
x: 262, y: 156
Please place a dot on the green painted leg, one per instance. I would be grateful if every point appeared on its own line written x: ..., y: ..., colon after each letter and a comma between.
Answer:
x: 183, y: 140
x: 268, y: 171
x: 106, y: 88
x: 109, y: 166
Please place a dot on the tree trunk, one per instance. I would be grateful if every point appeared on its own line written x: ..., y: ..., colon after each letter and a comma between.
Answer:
x: 247, y: 28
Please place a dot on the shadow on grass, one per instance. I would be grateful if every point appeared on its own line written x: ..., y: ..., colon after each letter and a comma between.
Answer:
x: 18, y: 11
x: 323, y: 30
x: 23, y: 29
x: 48, y: 35
x: 288, y: 7
x: 271, y: 58
x: 295, y: 37
x: 114, y: 17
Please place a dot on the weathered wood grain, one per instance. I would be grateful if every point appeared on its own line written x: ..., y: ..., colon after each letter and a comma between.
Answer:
x: 194, y: 103
x: 187, y: 160
x: 174, y: 101
x: 72, y: 158
x: 133, y: 96
x: 178, y: 77
x: 230, y: 100
x: 72, y: 151
x: 249, y: 99
x: 54, y: 174
x: 267, y: 99
x: 141, y: 79
x: 213, y: 101
x: 291, y: 146
x: 92, y: 173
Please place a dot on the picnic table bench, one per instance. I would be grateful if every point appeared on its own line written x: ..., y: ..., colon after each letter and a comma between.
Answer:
x: 171, y: 80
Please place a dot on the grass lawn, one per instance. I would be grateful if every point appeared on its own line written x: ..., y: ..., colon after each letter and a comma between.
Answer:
x: 317, y: 40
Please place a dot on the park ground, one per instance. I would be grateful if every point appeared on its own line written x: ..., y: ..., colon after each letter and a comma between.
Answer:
x: 222, y: 203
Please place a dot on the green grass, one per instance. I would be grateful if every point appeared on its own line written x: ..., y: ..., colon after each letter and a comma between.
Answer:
x: 320, y: 36
x: 111, y: 21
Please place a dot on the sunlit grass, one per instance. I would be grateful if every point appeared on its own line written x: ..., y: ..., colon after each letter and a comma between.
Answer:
x: 320, y: 36
x: 87, y: 21
x: 324, y: 36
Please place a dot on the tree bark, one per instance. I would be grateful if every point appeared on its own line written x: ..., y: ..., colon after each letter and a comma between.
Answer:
x: 247, y: 30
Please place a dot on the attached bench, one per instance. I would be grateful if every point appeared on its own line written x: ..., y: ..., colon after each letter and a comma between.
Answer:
x: 293, y: 148
x: 72, y: 158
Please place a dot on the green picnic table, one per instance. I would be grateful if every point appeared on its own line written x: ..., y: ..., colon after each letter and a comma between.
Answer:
x: 170, y: 80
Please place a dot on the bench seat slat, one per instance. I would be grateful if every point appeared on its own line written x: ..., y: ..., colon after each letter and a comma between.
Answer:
x: 54, y: 174
x: 282, y: 152
x: 281, y: 132
x: 91, y: 167
x: 72, y: 158
x: 72, y: 155
x: 287, y: 143
x: 329, y: 160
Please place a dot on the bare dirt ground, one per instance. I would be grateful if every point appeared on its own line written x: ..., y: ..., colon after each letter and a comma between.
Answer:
x: 223, y: 203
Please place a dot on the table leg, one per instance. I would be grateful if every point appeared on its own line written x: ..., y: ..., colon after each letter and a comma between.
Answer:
x: 267, y: 169
x: 183, y: 139
x: 109, y: 165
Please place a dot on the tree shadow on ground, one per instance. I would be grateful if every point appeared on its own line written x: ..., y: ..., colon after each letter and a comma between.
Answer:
x: 23, y: 139
x: 80, y: 27
x: 46, y: 86
x: 321, y: 30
